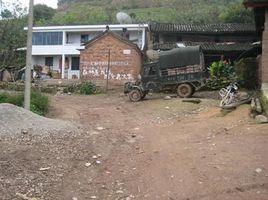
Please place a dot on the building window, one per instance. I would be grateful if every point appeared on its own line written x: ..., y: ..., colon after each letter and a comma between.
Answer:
x: 75, y: 63
x: 49, y: 61
x: 84, y: 38
x: 47, y: 38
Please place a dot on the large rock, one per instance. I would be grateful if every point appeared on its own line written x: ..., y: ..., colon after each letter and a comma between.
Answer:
x: 5, y: 76
x: 261, y: 119
x: 258, y: 105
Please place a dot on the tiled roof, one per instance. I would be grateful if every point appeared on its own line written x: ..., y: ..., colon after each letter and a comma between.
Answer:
x: 209, y: 47
x: 115, y: 35
x: 205, y: 28
x: 255, y: 3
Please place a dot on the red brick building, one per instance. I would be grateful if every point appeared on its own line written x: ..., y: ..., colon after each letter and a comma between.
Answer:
x: 261, y: 17
x: 110, y: 55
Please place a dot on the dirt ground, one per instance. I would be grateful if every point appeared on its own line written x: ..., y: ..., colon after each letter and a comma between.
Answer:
x: 154, y: 149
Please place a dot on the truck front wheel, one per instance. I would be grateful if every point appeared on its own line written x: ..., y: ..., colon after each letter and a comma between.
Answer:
x: 135, y: 95
x: 185, y: 90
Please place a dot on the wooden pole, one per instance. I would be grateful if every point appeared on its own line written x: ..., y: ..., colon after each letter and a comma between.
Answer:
x: 108, y: 71
x: 27, y: 92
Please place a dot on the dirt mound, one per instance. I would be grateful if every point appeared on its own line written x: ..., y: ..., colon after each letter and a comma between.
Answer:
x: 16, y: 121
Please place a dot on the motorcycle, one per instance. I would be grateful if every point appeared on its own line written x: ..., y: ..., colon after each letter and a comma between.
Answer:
x: 229, y: 95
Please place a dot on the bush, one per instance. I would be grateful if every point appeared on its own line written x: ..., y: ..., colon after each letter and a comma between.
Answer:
x: 221, y: 74
x: 88, y: 88
x: 39, y: 102
x: 85, y: 88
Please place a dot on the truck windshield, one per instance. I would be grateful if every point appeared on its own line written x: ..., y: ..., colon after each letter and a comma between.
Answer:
x: 149, y: 71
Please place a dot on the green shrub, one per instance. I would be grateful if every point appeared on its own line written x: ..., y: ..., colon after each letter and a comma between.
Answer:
x: 3, y: 98
x: 39, y: 102
x: 221, y: 74
x: 87, y: 88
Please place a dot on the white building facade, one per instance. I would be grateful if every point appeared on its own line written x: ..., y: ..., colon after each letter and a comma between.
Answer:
x: 58, y: 47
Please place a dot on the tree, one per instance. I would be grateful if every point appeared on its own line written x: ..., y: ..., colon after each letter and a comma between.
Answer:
x: 12, y: 37
x: 62, y: 2
x: 236, y: 14
x: 43, y: 13
x: 5, y: 14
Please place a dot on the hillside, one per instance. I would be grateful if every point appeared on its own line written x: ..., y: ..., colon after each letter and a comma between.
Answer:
x: 175, y: 11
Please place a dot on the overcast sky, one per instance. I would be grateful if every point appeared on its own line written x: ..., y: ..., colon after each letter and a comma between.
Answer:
x: 25, y: 3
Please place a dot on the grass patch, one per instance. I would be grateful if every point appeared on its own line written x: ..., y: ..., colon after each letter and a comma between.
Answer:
x: 39, y: 102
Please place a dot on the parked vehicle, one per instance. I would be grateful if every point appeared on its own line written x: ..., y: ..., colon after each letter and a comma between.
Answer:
x: 229, y: 94
x: 181, y: 70
x: 232, y: 98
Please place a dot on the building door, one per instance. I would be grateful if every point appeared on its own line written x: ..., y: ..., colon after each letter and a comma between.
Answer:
x: 49, y: 62
x: 75, y: 63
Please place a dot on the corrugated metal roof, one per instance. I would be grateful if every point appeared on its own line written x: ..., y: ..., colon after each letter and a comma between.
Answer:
x: 202, y: 28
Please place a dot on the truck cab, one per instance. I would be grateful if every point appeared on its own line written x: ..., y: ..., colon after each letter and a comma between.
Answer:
x: 181, y: 70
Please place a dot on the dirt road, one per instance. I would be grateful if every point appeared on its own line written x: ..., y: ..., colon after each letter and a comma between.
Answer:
x: 154, y: 149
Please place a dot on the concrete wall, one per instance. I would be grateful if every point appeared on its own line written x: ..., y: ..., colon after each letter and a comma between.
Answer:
x: 75, y: 37
x: 40, y: 60
x: 74, y: 44
x: 125, y: 61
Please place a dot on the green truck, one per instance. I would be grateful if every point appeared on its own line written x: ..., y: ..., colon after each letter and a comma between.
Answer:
x: 180, y: 69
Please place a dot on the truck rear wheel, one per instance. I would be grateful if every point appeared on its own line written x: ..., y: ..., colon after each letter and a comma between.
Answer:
x: 135, y: 95
x: 185, y: 90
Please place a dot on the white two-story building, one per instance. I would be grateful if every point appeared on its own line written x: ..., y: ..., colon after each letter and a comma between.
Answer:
x: 58, y: 47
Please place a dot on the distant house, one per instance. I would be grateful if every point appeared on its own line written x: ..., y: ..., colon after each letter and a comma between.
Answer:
x: 111, y: 56
x: 260, y: 8
x: 215, y: 39
x: 58, y: 47
x: 218, y: 33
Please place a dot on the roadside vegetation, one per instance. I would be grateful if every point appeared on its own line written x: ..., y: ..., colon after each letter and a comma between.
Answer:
x: 85, y: 88
x: 243, y: 71
x: 182, y: 11
x: 39, y: 101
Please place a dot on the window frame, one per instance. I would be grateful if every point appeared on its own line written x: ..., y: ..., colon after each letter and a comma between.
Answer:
x: 47, y: 38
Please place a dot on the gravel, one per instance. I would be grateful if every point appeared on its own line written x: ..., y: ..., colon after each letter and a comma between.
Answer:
x: 16, y: 122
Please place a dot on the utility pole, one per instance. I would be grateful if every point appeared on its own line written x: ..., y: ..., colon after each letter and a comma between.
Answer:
x: 108, y: 70
x: 28, y: 70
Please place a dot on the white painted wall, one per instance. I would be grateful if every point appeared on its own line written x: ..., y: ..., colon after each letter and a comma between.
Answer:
x: 74, y: 38
x: 39, y: 52
x: 40, y: 60
x: 67, y: 49
x: 74, y: 43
